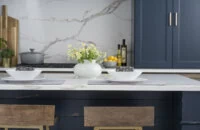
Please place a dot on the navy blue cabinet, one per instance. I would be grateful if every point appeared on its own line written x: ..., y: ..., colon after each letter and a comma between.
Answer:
x: 70, y: 105
x: 190, y: 119
x: 153, y: 34
x: 167, y: 34
x: 190, y: 108
x: 186, y: 34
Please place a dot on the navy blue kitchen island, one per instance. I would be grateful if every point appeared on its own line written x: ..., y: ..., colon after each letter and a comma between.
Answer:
x: 70, y: 105
x: 174, y: 97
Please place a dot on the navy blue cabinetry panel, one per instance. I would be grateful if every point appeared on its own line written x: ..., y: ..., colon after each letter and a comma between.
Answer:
x: 70, y: 105
x: 190, y: 115
x: 189, y: 127
x: 186, y: 39
x: 153, y: 35
x: 190, y: 107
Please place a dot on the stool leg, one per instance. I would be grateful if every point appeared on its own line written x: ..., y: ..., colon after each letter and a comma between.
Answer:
x: 47, y: 127
x: 41, y: 128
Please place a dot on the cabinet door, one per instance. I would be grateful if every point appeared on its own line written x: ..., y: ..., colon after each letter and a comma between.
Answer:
x: 190, y: 108
x: 153, y: 34
x: 186, y: 35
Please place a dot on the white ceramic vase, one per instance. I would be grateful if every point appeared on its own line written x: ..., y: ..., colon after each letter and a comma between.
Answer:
x: 87, y: 69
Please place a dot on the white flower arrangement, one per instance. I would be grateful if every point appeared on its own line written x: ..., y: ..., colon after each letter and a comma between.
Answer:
x: 85, y: 52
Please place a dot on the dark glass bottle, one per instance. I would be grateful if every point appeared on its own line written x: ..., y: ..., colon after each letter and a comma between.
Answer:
x: 124, y: 53
x: 119, y: 56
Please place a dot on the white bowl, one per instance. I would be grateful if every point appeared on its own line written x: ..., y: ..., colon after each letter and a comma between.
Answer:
x: 125, y: 75
x: 24, y: 75
x: 110, y: 64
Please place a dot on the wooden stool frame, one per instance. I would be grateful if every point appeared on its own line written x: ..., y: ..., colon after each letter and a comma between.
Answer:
x: 26, y: 116
x: 117, y: 128
x: 6, y: 127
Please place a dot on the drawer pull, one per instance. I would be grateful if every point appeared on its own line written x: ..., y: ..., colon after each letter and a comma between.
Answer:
x: 170, y: 19
x: 176, y: 19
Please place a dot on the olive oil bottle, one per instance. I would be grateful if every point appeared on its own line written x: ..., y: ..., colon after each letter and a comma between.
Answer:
x: 124, y: 53
x: 119, y: 56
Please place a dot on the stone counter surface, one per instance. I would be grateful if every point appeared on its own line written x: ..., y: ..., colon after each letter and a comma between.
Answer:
x: 168, y: 71
x: 68, y: 82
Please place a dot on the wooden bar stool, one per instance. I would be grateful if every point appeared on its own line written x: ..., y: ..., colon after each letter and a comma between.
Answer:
x: 27, y: 116
x: 118, y: 118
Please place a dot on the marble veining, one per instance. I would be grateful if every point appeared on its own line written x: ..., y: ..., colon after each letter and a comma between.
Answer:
x: 50, y: 25
x: 170, y: 82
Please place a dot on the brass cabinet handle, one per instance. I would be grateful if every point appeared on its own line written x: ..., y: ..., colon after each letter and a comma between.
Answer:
x: 176, y: 19
x: 170, y: 19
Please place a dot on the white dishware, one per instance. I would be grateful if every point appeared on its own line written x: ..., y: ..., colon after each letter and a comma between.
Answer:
x: 123, y: 76
x: 127, y: 81
x: 11, y: 79
x: 110, y: 64
x: 23, y: 75
x: 87, y: 69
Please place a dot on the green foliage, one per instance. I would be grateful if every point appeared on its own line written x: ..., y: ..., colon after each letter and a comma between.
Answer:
x: 85, y: 52
x: 7, y: 53
x: 3, y: 43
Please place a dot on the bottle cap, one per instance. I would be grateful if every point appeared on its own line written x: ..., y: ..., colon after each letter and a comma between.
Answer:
x: 119, y: 46
x: 124, y: 41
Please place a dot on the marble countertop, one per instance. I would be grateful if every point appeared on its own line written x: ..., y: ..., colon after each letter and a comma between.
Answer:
x: 194, y: 71
x: 67, y: 82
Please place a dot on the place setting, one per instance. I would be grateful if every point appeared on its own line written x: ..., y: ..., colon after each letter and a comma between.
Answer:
x: 28, y: 76
x: 121, y: 75
x: 23, y: 74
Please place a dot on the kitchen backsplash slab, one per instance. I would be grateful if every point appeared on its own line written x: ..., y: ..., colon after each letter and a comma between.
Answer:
x: 50, y: 25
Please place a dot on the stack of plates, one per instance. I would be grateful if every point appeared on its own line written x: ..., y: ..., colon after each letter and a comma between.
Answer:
x: 11, y: 79
x: 23, y: 75
x: 124, y: 80
x: 125, y: 76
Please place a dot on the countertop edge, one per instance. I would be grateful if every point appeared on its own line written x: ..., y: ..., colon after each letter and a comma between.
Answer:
x: 194, y: 71
x: 158, y: 82
x: 123, y: 88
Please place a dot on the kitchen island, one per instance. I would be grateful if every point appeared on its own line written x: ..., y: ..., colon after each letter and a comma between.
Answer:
x: 68, y: 82
x: 170, y: 94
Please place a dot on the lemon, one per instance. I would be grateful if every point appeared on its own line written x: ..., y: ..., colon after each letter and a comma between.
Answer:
x: 110, y: 58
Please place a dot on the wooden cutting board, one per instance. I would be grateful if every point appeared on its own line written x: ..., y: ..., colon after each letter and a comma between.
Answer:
x: 9, y: 30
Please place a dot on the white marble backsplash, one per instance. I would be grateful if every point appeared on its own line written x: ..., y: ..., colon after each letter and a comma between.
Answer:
x: 50, y: 25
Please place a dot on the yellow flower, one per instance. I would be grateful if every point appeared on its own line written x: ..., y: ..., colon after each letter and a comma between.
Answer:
x: 69, y: 46
x: 89, y: 52
x: 83, y: 44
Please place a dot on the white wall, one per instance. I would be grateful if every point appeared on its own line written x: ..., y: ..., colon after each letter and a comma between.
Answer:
x: 50, y: 25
